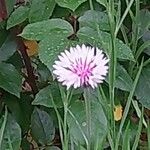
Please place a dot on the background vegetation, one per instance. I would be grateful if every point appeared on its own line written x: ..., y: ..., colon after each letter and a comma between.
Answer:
x: 36, y: 112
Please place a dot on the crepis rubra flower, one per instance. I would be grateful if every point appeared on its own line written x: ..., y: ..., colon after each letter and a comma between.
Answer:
x: 81, y: 66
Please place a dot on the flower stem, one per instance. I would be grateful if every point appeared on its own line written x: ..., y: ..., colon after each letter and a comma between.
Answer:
x: 88, y: 116
x: 113, y: 62
x: 91, y: 5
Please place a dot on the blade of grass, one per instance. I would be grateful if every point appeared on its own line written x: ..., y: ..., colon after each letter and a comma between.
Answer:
x: 138, y: 111
x: 2, y: 129
x: 60, y: 122
x: 136, y: 141
x: 126, y: 110
x: 78, y: 124
x: 148, y: 134
x: 126, y: 139
x: 123, y: 16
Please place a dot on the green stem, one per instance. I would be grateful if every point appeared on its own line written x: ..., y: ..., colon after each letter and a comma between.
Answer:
x: 123, y: 17
x: 88, y: 116
x: 65, y: 127
x: 113, y: 62
x: 60, y: 122
x: 2, y: 129
x: 126, y: 110
x: 148, y: 133
x: 91, y: 4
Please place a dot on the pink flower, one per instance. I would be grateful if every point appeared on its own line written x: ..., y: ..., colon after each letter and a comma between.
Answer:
x: 81, y: 66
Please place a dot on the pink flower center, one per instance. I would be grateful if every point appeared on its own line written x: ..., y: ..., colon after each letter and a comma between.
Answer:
x: 83, y: 70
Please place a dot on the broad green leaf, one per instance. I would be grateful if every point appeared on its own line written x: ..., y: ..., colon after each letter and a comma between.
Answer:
x: 43, y: 12
x: 103, y: 41
x: 94, y: 19
x: 45, y: 29
x: 42, y: 127
x: 102, y: 2
x: 123, y: 80
x: 146, y: 39
x: 16, y: 61
x: 143, y: 21
x: 8, y: 48
x: 43, y: 73
x: 52, y: 148
x: 18, y: 16
x: 3, y: 36
x: 3, y: 121
x: 71, y: 4
x: 77, y: 120
x: 10, y: 6
x: 10, y: 79
x: 11, y: 135
x: 143, y: 87
x: 44, y: 96
x: 21, y: 109
x: 50, y: 48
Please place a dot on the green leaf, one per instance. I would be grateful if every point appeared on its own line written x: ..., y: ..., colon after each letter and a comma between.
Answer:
x: 43, y: 12
x: 143, y: 21
x: 44, y: 96
x: 3, y: 36
x: 102, y: 41
x: 71, y: 4
x: 18, y: 16
x: 8, y: 48
x: 21, y: 109
x: 11, y: 135
x: 143, y: 87
x: 43, y: 73
x: 45, y: 29
x: 10, y: 79
x: 3, y: 122
x: 42, y: 127
x: 102, y: 2
x: 50, y: 48
x: 77, y: 120
x: 123, y: 80
x: 52, y: 148
x: 92, y: 19
x: 10, y: 6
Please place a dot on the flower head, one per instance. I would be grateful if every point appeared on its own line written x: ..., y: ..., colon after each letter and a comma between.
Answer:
x: 81, y: 66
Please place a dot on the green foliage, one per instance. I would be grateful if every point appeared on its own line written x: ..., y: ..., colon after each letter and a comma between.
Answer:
x: 43, y: 12
x: 71, y: 4
x: 123, y: 80
x: 10, y: 133
x: 10, y: 79
x: 143, y: 87
x: 37, y: 111
x: 18, y: 16
x: 8, y: 48
x: 102, y: 2
x: 103, y: 41
x: 46, y: 94
x: 45, y: 29
x: 77, y: 120
x: 94, y: 19
x: 42, y: 127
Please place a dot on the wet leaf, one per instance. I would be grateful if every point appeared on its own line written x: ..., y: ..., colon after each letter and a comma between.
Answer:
x: 71, y: 4
x: 43, y: 12
x: 102, y: 41
x: 42, y: 126
x: 18, y: 16
x: 10, y: 79
x: 45, y: 29
x: 44, y: 96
